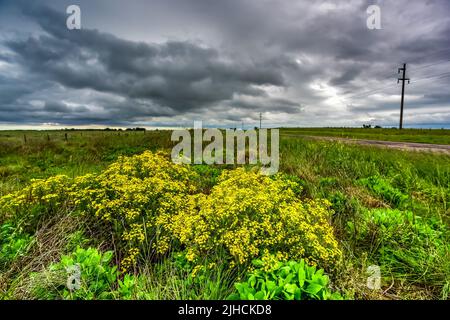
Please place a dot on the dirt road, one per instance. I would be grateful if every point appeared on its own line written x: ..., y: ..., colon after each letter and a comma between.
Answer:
x: 412, y: 146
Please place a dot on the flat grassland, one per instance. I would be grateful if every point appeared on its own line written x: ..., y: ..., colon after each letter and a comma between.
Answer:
x: 434, y: 136
x: 388, y: 208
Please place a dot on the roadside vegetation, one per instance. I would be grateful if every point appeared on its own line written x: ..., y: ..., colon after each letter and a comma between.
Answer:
x: 140, y: 227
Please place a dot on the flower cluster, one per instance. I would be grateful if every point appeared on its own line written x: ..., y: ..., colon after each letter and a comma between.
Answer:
x: 131, y: 193
x: 249, y: 214
x: 49, y: 193
x: 154, y: 204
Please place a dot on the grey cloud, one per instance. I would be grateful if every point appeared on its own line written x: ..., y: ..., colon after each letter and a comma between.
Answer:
x: 308, y: 63
x: 178, y: 75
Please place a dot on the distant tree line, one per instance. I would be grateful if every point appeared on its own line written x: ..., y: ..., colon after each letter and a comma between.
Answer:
x: 369, y: 126
x: 106, y: 129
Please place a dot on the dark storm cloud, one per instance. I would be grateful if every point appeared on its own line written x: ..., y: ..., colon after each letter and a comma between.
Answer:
x: 10, y: 90
x: 298, y: 62
x: 267, y: 104
x: 345, y: 77
x: 180, y: 76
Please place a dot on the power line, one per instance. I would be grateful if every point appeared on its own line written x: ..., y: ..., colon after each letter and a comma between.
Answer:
x: 430, y: 54
x: 379, y: 89
x: 442, y: 75
x: 428, y: 65
x: 370, y: 92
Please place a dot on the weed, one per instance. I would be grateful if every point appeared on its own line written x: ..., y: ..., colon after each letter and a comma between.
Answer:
x: 274, y: 280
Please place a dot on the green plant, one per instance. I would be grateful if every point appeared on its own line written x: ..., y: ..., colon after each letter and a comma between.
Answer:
x: 297, y: 184
x: 404, y: 245
x: 96, y: 278
x: 207, y: 176
x: 384, y: 189
x: 411, y: 245
x: 328, y: 182
x: 339, y: 202
x: 13, y: 243
x: 290, y: 280
x: 248, y: 215
x: 132, y: 288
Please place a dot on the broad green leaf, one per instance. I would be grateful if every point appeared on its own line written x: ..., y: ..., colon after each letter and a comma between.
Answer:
x: 301, y: 276
x: 252, y: 281
x: 271, y: 285
x: 259, y: 295
x: 290, y: 288
x: 313, y: 288
x: 298, y: 294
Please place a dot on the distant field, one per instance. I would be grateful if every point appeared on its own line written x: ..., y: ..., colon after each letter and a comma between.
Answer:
x: 434, y: 136
x: 25, y: 155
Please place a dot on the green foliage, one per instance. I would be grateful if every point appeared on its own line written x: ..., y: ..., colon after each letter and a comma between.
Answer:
x: 13, y: 243
x: 402, y: 227
x: 339, y: 202
x: 97, y: 277
x: 290, y: 280
x: 207, y: 176
x: 328, y: 182
x: 405, y: 245
x: 132, y: 288
x: 77, y: 239
x: 384, y: 189
x: 411, y: 244
x: 297, y: 184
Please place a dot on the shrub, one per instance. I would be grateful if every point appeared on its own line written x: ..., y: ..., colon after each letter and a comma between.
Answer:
x: 275, y: 280
x: 128, y: 195
x: 249, y: 214
x: 131, y: 193
x: 46, y: 195
x: 154, y: 205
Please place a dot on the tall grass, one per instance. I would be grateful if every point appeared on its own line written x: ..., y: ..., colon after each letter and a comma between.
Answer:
x: 359, y: 181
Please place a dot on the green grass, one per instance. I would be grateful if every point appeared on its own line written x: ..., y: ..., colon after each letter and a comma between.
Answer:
x: 25, y: 155
x: 391, y: 208
x: 433, y: 136
x: 360, y: 178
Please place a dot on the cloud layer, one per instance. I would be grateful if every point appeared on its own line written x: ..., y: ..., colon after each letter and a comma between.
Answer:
x: 299, y: 63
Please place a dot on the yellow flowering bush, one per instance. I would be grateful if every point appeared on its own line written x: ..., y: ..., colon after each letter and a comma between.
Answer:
x: 154, y: 205
x: 251, y: 215
x: 131, y: 193
x: 49, y: 193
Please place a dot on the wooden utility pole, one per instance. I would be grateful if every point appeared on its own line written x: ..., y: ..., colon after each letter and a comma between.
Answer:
x: 260, y: 120
x: 402, y: 79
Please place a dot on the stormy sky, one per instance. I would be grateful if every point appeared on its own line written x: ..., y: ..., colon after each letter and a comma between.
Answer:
x: 166, y: 63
